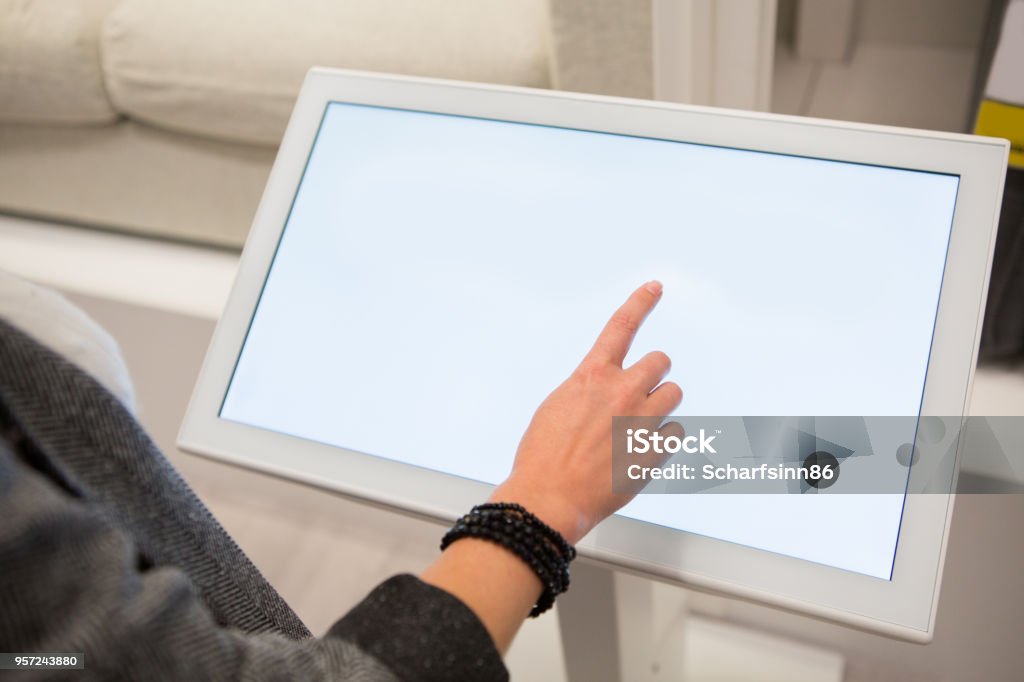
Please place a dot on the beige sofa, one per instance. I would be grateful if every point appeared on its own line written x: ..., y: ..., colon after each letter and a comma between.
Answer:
x: 162, y: 117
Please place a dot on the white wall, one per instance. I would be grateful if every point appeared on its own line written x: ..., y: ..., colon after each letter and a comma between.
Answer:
x: 940, y: 23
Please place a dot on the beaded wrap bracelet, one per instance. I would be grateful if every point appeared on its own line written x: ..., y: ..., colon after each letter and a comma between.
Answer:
x: 510, y: 525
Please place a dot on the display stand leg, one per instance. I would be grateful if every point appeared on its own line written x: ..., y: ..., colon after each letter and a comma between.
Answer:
x: 617, y: 627
x: 608, y: 624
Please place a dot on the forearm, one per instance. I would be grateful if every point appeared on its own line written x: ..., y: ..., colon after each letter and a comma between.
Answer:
x: 492, y: 581
x: 498, y: 586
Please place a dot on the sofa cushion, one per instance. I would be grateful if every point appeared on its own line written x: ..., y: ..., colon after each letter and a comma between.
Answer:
x: 50, y: 62
x: 134, y: 178
x: 231, y: 69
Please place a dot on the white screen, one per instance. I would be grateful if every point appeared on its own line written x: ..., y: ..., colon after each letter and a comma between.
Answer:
x: 439, y: 275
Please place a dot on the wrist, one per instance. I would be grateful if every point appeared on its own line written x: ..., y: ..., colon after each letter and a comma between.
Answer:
x: 554, y: 511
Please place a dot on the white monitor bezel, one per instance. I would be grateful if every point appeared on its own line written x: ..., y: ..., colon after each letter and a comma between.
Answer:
x: 903, y: 607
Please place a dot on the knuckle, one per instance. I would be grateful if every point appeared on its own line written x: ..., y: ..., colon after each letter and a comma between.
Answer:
x: 590, y: 371
x: 673, y: 429
x: 625, y: 322
x: 660, y: 359
x: 672, y: 391
x: 623, y: 401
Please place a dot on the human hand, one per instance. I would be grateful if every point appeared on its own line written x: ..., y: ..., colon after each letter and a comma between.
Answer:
x: 563, y: 468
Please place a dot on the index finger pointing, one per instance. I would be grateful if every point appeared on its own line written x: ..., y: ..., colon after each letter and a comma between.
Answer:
x: 617, y: 336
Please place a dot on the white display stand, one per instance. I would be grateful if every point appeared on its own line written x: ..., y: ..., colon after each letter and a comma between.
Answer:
x: 619, y: 627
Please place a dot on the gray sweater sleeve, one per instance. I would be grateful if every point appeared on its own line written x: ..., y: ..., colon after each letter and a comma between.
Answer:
x: 105, y: 550
x: 72, y: 581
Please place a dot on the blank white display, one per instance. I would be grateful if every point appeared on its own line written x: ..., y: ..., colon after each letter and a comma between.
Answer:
x: 439, y: 275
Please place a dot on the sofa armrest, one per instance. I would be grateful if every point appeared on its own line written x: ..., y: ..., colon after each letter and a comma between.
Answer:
x: 602, y: 47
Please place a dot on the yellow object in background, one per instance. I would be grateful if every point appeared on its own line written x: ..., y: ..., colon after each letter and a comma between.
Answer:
x: 1002, y: 110
x: 997, y: 119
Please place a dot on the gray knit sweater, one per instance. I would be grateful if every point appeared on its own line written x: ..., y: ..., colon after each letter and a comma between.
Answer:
x: 105, y: 550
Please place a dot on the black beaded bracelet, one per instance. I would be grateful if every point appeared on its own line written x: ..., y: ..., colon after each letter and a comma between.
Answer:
x: 567, y: 550
x: 539, y: 545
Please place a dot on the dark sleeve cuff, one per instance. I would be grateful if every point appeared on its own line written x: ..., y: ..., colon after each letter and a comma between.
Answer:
x: 421, y: 633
